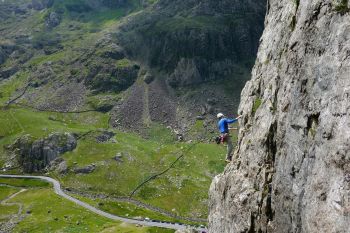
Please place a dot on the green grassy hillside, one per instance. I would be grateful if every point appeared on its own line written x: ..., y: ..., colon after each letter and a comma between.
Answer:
x: 43, y: 211
x: 182, y: 190
x: 79, y: 66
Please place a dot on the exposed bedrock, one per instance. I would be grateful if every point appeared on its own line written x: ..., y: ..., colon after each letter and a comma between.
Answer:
x: 35, y: 155
x: 292, y: 166
x: 195, y: 41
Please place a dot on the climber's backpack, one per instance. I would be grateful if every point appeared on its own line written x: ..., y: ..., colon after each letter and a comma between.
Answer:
x: 221, y: 139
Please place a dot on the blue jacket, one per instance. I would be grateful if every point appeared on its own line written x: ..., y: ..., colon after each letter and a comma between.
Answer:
x: 223, y: 124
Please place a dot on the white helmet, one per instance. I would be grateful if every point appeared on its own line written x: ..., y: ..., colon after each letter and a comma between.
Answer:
x: 220, y: 115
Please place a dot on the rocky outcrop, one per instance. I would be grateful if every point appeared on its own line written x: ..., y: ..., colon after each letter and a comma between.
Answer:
x: 35, y: 155
x: 3, y: 56
x: 191, y: 49
x: 195, y: 41
x: 292, y: 165
x: 85, y: 170
x: 5, y: 51
x: 52, y: 20
x: 41, y: 4
x: 105, y: 136
x: 108, y: 69
x: 186, y: 231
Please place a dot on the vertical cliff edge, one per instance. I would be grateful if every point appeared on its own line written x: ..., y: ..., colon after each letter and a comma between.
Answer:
x: 292, y: 165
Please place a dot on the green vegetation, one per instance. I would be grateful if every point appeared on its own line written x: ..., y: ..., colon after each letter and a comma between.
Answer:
x: 186, y: 183
x: 6, y: 191
x: 297, y: 3
x: 179, y: 23
x: 127, y: 209
x: 256, y: 105
x: 294, y: 18
x: 8, y: 87
x: 28, y: 183
x: 17, y: 121
x: 342, y: 6
x: 142, y: 158
x: 124, y: 63
x: 158, y: 133
x: 102, y: 102
x: 59, y: 56
x: 7, y: 210
x: 74, y: 50
x: 51, y: 213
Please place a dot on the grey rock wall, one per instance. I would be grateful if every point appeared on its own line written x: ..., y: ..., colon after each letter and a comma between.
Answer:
x: 35, y: 155
x: 292, y: 166
x: 205, y: 38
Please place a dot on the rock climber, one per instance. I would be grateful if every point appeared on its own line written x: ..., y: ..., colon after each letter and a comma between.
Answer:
x: 225, y: 133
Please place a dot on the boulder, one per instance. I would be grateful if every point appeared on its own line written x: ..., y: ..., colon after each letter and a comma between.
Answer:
x: 105, y: 136
x: 85, y: 170
x: 148, y: 78
x: 113, y: 51
x: 62, y: 168
x: 118, y: 157
x: 8, y: 72
x: 52, y: 20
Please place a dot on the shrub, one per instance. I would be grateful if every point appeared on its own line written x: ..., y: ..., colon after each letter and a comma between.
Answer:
x: 342, y: 6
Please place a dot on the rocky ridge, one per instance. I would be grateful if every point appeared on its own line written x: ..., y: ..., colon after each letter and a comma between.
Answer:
x: 292, y: 165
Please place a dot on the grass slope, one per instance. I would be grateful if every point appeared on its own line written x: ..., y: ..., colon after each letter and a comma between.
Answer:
x: 183, y: 190
x: 51, y: 213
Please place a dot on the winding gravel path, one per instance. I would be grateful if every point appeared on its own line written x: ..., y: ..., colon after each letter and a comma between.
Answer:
x: 59, y: 191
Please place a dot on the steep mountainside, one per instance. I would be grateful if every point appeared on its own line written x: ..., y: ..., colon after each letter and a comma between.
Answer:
x: 292, y: 167
x: 104, y: 95
x: 200, y: 54
x: 194, y: 57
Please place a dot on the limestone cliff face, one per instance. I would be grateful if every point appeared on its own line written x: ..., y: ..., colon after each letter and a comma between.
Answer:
x: 292, y: 166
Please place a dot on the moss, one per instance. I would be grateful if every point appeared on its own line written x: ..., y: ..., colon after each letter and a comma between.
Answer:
x: 293, y: 23
x: 256, y: 105
x: 294, y: 18
x: 297, y: 3
x: 342, y: 6
x: 123, y: 63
